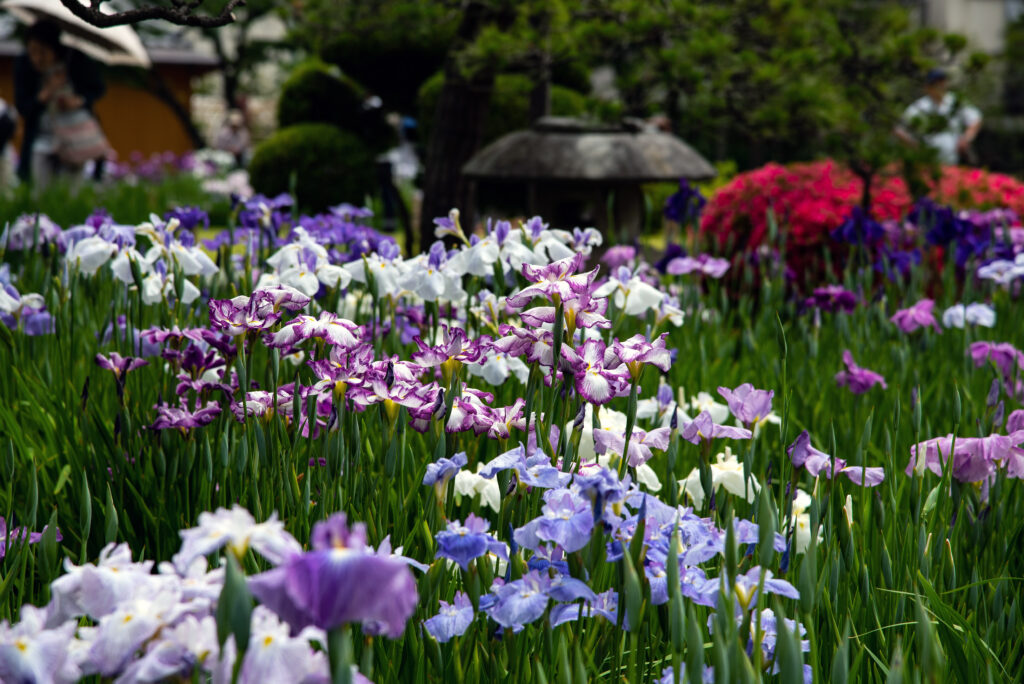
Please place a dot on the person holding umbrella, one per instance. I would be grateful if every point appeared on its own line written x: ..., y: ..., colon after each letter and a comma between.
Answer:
x: 54, y: 90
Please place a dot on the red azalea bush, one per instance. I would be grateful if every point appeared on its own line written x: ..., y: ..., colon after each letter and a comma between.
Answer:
x: 810, y: 199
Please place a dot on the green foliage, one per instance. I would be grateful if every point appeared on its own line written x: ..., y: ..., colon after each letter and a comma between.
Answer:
x: 390, y: 46
x: 329, y: 165
x: 69, y: 205
x: 510, y: 104
x: 318, y: 93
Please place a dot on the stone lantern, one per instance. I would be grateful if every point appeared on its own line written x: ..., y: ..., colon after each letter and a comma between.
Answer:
x: 576, y: 173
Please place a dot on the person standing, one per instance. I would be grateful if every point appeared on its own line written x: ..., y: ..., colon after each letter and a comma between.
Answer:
x: 54, y: 91
x: 234, y: 138
x: 941, y: 120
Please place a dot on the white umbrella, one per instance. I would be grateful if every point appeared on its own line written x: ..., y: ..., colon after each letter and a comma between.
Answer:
x: 118, y: 45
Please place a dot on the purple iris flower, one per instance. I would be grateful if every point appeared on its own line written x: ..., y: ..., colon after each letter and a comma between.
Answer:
x: 33, y: 322
x: 815, y: 462
x: 858, y: 379
x: 465, y: 542
x: 685, y: 205
x: 452, y: 620
x: 1006, y: 357
x: 974, y: 458
x: 858, y: 228
x: 917, y: 316
x: 340, y: 581
x: 640, y: 443
x: 18, y: 533
x: 180, y: 418
x: 189, y: 217
x: 705, y: 264
x: 940, y: 223
x: 119, y: 365
x: 747, y: 404
x: 520, y: 602
x: 672, y: 252
x: 833, y: 298
x: 703, y: 427
x: 566, y: 520
x: 619, y: 256
x: 897, y: 262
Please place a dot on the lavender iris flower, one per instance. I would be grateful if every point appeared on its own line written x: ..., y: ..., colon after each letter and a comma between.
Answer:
x: 705, y: 264
x: 520, y: 602
x: 443, y: 470
x: 465, y: 542
x: 974, y: 458
x: 858, y: 379
x: 340, y: 581
x: 603, y: 605
x: 805, y: 456
x: 535, y: 471
x: 567, y: 520
x: 452, y: 620
x: 16, y: 534
x: 917, y: 316
x: 189, y: 217
x: 747, y: 404
x: 1006, y: 357
x: 640, y: 443
x: 703, y: 427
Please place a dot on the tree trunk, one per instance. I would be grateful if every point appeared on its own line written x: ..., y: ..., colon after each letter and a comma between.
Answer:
x: 540, y: 96
x: 456, y: 134
x: 866, y: 175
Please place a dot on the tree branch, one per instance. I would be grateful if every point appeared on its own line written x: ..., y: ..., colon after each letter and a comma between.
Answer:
x: 181, y: 13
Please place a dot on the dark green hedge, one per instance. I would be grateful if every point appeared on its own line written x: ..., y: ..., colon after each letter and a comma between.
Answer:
x: 330, y: 165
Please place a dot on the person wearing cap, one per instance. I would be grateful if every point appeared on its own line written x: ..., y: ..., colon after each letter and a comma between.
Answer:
x: 940, y: 120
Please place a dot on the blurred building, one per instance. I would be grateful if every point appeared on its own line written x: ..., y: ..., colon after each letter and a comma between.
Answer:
x: 143, y: 111
x: 983, y: 22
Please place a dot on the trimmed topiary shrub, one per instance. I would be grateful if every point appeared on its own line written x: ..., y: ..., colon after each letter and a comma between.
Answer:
x: 510, y: 104
x: 330, y: 165
x: 318, y: 93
